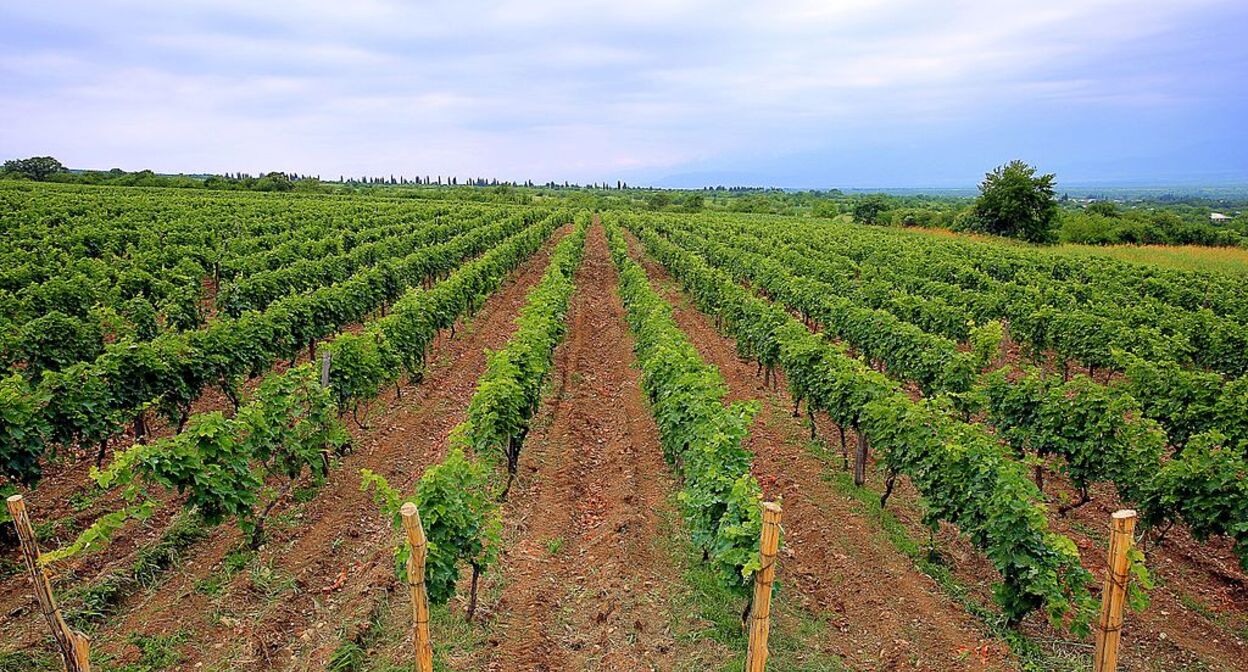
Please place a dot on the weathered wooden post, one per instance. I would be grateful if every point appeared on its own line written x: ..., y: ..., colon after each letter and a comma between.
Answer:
x: 75, y: 647
x: 416, y: 585
x: 325, y: 368
x: 1109, y: 626
x: 760, y: 611
x: 860, y: 459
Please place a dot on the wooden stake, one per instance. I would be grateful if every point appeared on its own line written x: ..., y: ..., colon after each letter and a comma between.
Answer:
x: 1109, y: 627
x: 74, y: 646
x: 325, y: 368
x: 416, y: 584
x: 860, y: 459
x: 760, y: 612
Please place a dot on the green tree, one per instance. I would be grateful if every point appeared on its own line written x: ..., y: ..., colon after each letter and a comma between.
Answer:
x: 36, y: 167
x: 274, y: 182
x: 658, y: 200
x: 868, y: 210
x: 1102, y: 208
x: 1015, y: 202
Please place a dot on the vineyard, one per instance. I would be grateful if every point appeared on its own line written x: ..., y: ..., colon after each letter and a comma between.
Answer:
x: 218, y: 407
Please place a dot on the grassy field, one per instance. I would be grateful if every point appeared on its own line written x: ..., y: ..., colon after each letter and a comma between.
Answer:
x: 1179, y: 257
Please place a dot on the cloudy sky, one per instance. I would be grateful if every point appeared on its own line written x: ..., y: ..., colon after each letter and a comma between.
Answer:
x: 815, y: 93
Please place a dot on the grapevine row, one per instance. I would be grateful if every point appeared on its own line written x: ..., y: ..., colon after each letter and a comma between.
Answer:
x: 1100, y: 433
x: 964, y: 475
x: 291, y: 425
x: 1081, y: 314
x: 257, y: 291
x: 456, y: 497
x: 88, y: 403
x: 701, y: 436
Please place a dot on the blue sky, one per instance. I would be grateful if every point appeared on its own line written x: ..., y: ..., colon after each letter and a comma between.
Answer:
x: 862, y: 93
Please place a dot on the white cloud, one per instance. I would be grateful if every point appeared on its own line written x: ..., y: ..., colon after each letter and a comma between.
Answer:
x: 566, y: 89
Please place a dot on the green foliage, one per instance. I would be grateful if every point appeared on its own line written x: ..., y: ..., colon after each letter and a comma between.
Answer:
x: 870, y: 209
x: 967, y: 479
x: 458, y: 513
x: 56, y: 340
x: 1097, y: 431
x: 1207, y: 488
x: 932, y: 361
x: 509, y: 391
x: 965, y: 476
x: 1185, y: 402
x: 360, y: 365
x: 1102, y: 208
x: 701, y: 437
x: 985, y: 341
x: 1101, y: 223
x: 1100, y: 433
x: 101, y: 531
x: 386, y: 497
x: 220, y: 464
x: 210, y: 465
x: 139, y: 312
x: 94, y: 399
x: 461, y: 521
x: 22, y: 427
x: 35, y: 168
x: 1139, y: 580
x: 1014, y: 202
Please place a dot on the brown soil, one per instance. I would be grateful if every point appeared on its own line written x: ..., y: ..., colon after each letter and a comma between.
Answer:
x: 887, y: 615
x: 581, y: 569
x: 67, y: 502
x: 323, y: 557
x: 1199, y: 611
x: 584, y: 580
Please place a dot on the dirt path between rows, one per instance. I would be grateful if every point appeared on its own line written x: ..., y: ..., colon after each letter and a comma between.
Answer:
x: 319, y: 566
x: 886, y: 614
x: 582, y: 574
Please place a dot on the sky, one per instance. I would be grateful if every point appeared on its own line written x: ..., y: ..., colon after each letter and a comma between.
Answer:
x: 803, y: 94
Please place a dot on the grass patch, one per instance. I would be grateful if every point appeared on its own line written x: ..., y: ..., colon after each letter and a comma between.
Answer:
x: 352, y: 654
x: 91, y: 604
x: 383, y: 643
x: 50, y: 532
x: 705, y: 618
x: 1180, y: 257
x: 83, y: 499
x: 1195, y: 605
x: 8, y: 567
x: 269, y: 581
x: 29, y: 661
x: 156, y: 652
x: 305, y: 493
x: 215, y: 583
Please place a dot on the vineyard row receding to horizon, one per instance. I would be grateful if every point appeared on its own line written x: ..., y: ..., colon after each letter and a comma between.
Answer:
x: 994, y: 379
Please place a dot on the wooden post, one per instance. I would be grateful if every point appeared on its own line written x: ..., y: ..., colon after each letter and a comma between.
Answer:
x: 760, y: 611
x: 860, y: 459
x: 74, y: 646
x: 416, y: 584
x: 325, y: 368
x: 1109, y: 627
